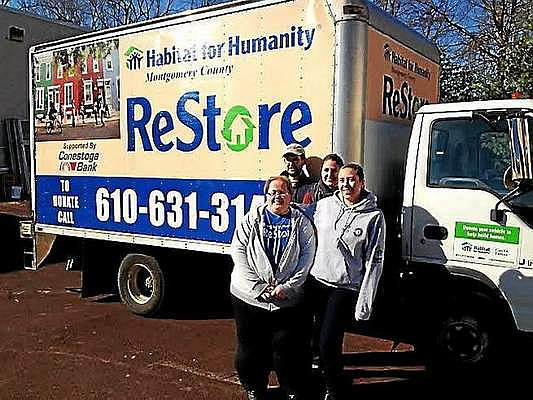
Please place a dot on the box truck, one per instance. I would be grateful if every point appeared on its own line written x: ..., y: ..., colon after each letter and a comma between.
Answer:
x: 166, y: 130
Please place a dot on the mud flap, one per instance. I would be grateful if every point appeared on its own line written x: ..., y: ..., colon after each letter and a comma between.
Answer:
x: 43, y: 246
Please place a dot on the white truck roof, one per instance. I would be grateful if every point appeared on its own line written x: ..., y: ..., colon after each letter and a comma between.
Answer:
x: 477, y: 105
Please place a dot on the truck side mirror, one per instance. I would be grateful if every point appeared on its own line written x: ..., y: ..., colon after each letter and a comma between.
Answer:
x: 498, y: 216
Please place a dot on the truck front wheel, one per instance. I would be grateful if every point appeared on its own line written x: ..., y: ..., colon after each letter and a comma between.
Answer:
x: 463, y: 342
x: 141, y: 284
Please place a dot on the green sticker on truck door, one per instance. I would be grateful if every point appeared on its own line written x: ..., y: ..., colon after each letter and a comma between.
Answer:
x: 485, y: 242
x: 489, y: 233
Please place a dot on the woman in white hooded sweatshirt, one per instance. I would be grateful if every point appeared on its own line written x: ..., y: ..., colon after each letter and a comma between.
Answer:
x: 347, y: 268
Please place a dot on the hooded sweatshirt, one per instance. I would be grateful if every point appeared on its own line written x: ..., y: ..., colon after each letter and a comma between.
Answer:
x: 253, y: 272
x: 351, y: 245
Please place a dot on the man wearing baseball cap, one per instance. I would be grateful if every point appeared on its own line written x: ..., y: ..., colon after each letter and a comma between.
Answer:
x: 294, y: 158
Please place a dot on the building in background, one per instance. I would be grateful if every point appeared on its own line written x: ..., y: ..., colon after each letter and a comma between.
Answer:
x: 84, y: 83
x: 18, y: 32
x: 111, y: 82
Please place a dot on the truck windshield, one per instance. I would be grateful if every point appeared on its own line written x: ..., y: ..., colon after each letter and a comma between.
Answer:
x: 474, y: 154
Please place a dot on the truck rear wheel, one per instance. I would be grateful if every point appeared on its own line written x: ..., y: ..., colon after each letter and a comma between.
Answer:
x: 141, y: 284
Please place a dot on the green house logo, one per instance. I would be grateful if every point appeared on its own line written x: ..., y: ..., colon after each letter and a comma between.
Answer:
x: 134, y: 57
x: 238, y: 132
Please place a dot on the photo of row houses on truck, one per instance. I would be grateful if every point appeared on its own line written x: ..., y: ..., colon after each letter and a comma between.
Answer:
x: 76, y: 93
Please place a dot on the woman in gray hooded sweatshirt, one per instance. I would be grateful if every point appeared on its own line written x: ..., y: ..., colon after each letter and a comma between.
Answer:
x: 347, y: 268
x: 273, y: 250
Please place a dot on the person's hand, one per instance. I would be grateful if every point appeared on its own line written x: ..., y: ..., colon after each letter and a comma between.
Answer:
x: 267, y: 294
x: 278, y: 293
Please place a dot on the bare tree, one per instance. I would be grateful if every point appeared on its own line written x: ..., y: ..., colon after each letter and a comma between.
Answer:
x: 391, y: 6
x: 101, y: 14
x: 483, y: 42
x: 110, y: 13
x: 74, y: 11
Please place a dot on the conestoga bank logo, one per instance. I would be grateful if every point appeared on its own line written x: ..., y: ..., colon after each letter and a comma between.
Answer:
x: 67, y: 166
x: 81, y: 161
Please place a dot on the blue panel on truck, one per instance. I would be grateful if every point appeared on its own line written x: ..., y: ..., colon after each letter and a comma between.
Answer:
x: 201, y: 209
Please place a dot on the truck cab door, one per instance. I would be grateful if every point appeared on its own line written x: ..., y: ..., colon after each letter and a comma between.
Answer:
x: 460, y: 167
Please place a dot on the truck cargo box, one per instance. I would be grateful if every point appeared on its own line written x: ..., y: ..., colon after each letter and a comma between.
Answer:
x: 164, y: 131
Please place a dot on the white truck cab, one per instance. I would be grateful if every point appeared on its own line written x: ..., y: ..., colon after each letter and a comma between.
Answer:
x: 467, y: 236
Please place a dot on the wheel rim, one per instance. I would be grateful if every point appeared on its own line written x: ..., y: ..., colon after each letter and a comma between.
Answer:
x: 140, y: 283
x: 465, y: 341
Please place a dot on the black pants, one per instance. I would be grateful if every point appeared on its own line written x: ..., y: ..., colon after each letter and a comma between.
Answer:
x: 272, y: 339
x: 333, y: 309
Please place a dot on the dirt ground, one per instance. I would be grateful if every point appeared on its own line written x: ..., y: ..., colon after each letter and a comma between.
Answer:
x: 55, y: 345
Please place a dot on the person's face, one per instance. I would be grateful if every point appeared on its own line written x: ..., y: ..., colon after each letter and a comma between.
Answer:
x: 350, y: 185
x: 278, y: 197
x: 330, y: 173
x: 294, y: 164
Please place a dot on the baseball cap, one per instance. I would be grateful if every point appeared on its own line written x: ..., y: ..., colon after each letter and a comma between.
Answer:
x: 294, y: 148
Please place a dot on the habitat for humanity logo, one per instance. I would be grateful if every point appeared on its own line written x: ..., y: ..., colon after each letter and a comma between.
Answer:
x: 470, y: 248
x: 466, y: 246
x: 134, y: 57
x: 396, y: 58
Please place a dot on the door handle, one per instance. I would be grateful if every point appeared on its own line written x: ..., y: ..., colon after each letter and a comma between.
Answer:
x: 435, y: 232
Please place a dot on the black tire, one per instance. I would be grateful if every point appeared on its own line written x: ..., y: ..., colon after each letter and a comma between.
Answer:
x: 141, y: 284
x: 463, y: 343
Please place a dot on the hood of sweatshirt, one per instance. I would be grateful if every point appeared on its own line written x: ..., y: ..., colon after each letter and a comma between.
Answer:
x: 368, y: 202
